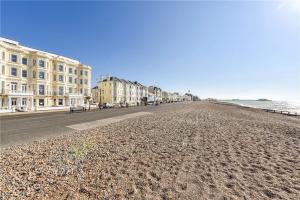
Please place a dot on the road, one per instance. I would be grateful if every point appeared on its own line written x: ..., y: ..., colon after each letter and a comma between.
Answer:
x: 25, y: 128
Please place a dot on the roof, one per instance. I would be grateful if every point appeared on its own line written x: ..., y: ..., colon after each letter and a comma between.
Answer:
x: 31, y: 50
x: 123, y: 81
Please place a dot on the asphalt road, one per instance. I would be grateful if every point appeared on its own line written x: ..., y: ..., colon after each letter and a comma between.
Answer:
x: 25, y: 128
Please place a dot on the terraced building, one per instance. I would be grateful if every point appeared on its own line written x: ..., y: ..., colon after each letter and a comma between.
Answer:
x: 31, y: 79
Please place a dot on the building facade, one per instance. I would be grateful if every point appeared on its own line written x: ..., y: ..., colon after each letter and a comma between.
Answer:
x: 157, y: 92
x: 31, y: 79
x: 118, y: 91
x: 95, y: 94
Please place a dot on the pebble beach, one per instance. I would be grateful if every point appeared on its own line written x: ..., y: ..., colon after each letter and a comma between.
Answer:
x: 199, y: 150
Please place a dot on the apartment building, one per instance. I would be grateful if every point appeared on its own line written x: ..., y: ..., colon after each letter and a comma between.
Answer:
x: 95, y: 94
x: 157, y: 92
x: 166, y: 97
x: 31, y: 79
x: 118, y: 91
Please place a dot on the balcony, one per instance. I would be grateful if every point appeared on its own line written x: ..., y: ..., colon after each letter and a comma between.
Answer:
x: 74, y: 95
x: 17, y: 92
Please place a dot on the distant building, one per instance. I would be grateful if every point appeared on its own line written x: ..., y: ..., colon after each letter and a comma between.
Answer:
x: 188, y: 97
x: 165, y: 96
x: 157, y: 92
x: 119, y: 91
x: 96, y: 94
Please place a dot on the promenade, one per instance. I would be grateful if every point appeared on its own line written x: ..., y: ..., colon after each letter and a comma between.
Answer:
x: 18, y: 129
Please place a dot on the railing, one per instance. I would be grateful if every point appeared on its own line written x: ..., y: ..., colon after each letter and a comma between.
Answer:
x: 45, y: 93
x: 73, y: 94
x: 16, y: 92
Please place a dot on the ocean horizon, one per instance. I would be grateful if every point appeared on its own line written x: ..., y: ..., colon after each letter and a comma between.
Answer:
x: 290, y: 106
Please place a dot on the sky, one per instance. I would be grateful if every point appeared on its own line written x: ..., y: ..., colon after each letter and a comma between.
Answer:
x: 220, y: 49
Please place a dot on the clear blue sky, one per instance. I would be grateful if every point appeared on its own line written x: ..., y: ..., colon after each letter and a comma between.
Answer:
x: 223, y: 49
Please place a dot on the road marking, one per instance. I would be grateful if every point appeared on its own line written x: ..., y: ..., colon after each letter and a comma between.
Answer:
x: 104, y: 122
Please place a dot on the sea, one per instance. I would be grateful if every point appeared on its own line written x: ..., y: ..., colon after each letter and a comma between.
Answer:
x: 293, y: 107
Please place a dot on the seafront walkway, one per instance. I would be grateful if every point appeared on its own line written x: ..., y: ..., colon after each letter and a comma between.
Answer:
x: 22, y: 128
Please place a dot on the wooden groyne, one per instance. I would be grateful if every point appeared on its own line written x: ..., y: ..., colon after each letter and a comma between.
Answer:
x: 283, y: 112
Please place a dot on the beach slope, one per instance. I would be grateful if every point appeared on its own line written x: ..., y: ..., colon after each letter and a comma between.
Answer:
x: 194, y: 151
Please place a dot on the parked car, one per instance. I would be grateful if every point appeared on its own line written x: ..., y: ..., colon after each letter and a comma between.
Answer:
x: 107, y: 105
x: 123, y: 105
x: 77, y: 109
x: 21, y: 109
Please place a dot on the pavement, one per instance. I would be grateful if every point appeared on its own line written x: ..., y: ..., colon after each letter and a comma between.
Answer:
x: 18, y: 129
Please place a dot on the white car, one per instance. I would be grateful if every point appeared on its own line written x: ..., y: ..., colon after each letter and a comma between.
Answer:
x: 107, y: 105
x: 21, y: 109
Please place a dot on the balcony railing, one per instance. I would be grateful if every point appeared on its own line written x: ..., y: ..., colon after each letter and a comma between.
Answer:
x: 73, y: 94
x: 16, y: 92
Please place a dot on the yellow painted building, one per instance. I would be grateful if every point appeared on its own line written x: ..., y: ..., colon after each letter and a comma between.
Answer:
x: 118, y: 91
x: 31, y: 79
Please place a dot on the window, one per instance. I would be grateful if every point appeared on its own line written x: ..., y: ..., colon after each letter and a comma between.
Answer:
x: 13, y: 101
x: 41, y: 102
x: 24, y: 73
x: 3, y: 55
x: 41, y: 63
x: 14, y: 71
x: 75, y: 80
x: 33, y: 74
x: 13, y: 87
x: 75, y: 71
x: 24, y: 101
x: 24, y: 61
x: 85, y: 92
x: 70, y: 90
x: 3, y: 69
x: 34, y: 62
x: 81, y: 72
x: 54, y: 78
x: 80, y: 90
x: 61, y: 78
x: 61, y: 68
x: 70, y: 79
x: 60, y: 102
x: 24, y: 88
x: 70, y: 70
x: 81, y: 81
x: 86, y: 73
x: 14, y: 58
x: 41, y: 75
x: 60, y: 90
x: 41, y: 89
x: 73, y: 101
x: 85, y: 81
